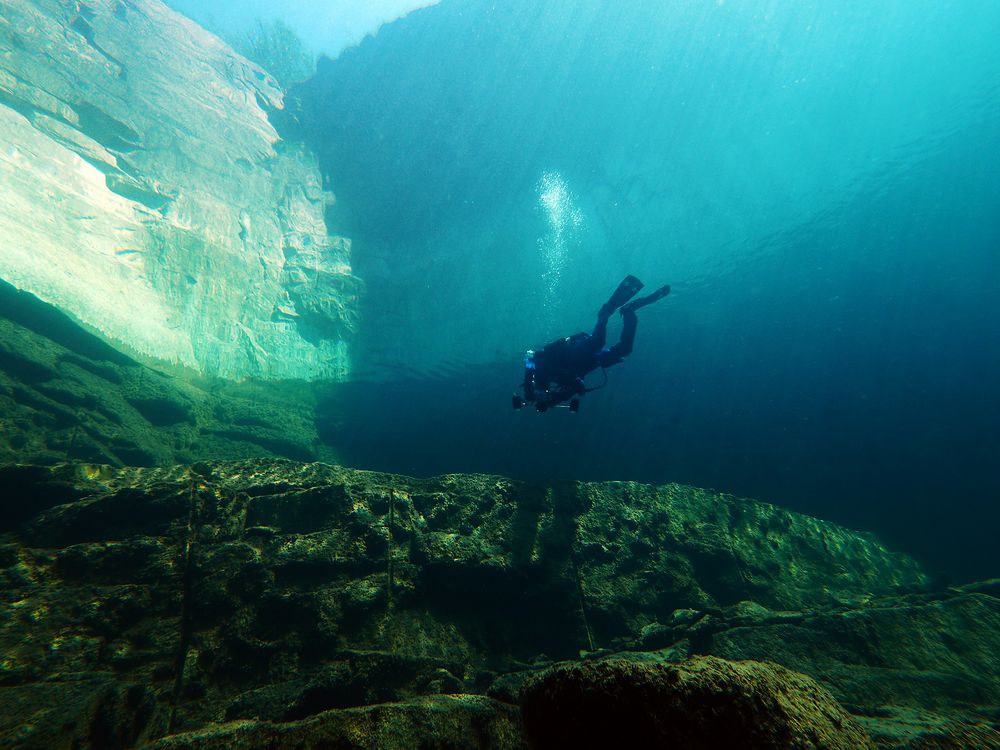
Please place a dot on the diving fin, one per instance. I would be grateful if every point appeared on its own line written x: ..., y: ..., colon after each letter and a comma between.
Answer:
x: 629, y: 287
x: 649, y: 299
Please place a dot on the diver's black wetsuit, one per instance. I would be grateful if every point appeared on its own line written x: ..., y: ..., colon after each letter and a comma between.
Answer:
x: 555, y: 373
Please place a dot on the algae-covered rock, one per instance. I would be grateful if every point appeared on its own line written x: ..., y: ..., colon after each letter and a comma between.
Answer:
x: 445, y: 722
x: 645, y: 550
x: 65, y: 395
x: 701, y: 704
x: 271, y: 591
x: 915, y: 651
x: 895, y: 728
x: 77, y: 712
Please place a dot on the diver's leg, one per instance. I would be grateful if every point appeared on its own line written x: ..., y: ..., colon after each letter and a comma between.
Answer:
x: 629, y: 324
x: 618, y: 352
x: 626, y: 290
x: 629, y: 287
x: 600, y: 333
x: 649, y: 299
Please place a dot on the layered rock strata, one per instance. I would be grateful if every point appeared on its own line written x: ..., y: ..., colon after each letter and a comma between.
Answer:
x: 146, y: 193
x: 65, y: 394
x: 275, y: 596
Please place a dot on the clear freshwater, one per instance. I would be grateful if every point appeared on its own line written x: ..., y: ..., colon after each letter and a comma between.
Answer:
x: 264, y: 315
x: 818, y: 181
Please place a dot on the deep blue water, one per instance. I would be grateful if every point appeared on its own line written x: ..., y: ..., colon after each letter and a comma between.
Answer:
x: 819, y: 183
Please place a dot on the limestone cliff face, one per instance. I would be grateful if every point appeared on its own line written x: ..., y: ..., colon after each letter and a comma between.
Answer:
x: 146, y: 193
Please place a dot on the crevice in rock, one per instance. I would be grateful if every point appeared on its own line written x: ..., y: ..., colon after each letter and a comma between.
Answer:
x: 109, y: 131
x: 17, y: 104
x: 564, y: 509
x: 195, y: 510
x: 389, y: 554
x: 81, y: 25
x: 136, y: 191
x: 566, y: 503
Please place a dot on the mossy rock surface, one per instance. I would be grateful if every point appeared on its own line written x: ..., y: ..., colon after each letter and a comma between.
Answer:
x: 274, y: 592
x: 703, y: 703
x: 66, y: 395
x: 443, y: 722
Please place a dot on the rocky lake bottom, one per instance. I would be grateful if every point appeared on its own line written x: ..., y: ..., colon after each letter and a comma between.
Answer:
x: 185, y: 560
x: 255, y: 601
x: 271, y: 603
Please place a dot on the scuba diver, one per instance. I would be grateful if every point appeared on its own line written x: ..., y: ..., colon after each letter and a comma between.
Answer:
x: 555, y: 373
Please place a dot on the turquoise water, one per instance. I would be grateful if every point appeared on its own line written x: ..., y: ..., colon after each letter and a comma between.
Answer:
x: 226, y: 293
x: 819, y: 182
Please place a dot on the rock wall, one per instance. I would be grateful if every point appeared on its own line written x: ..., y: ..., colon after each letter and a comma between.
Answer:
x: 146, y: 193
x: 278, y: 604
x: 65, y: 394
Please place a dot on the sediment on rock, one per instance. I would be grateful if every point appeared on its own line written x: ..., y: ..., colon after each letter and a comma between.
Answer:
x: 701, y: 704
x: 272, y: 592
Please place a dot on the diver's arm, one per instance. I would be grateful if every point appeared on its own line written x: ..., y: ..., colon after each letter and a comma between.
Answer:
x: 529, y: 376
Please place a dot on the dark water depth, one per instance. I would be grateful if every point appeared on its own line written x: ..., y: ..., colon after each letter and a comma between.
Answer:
x: 821, y: 189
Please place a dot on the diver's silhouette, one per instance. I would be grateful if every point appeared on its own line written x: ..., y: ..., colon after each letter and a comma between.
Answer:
x: 555, y: 373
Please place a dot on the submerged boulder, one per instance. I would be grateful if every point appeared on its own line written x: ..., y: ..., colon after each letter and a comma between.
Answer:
x: 271, y: 593
x: 701, y: 704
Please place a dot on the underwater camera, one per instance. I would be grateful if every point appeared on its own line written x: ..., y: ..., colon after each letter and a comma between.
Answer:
x: 518, y: 403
